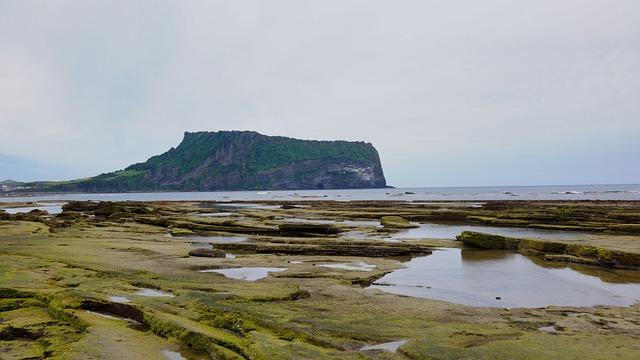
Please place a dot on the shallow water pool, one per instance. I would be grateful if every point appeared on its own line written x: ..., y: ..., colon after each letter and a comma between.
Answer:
x: 446, y: 231
x: 506, y: 279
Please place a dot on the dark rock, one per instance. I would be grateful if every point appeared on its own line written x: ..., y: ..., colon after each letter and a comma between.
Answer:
x: 309, y: 228
x: 213, y: 253
x: 488, y: 241
x: 300, y: 294
x: 79, y: 206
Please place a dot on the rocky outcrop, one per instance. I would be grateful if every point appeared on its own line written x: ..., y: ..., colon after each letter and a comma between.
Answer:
x: 212, y: 253
x: 242, y: 160
x: 554, y: 250
x: 396, y: 222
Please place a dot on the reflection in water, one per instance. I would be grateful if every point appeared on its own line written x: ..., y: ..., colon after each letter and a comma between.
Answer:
x: 389, y: 346
x: 199, y: 241
x: 504, y: 279
x: 445, y: 231
x: 246, y: 273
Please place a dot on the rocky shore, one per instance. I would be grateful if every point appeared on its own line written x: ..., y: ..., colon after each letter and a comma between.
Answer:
x: 291, y: 280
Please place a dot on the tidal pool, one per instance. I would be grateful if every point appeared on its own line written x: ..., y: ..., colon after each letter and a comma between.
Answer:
x: 218, y: 214
x: 359, y: 266
x: 445, y: 231
x: 336, y: 222
x: 506, y: 279
x: 200, y: 240
x: 246, y: 273
x: 50, y: 208
x: 173, y: 355
x: 153, y: 293
x: 388, y: 346
x: 119, y: 299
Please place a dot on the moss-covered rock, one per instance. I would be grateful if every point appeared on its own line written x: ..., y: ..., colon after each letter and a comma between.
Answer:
x: 542, y: 246
x: 309, y: 228
x: 396, y: 222
x: 212, y: 253
x: 488, y: 241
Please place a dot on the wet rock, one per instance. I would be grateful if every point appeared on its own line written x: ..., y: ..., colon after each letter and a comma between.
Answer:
x: 69, y: 215
x: 330, y: 248
x: 79, y: 206
x: 212, y: 253
x: 180, y: 232
x: 396, y: 222
x: 104, y: 208
x: 289, y: 206
x: 309, y: 228
x: 488, y: 241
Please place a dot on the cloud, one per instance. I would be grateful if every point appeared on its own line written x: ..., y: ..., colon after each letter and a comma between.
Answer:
x: 443, y: 89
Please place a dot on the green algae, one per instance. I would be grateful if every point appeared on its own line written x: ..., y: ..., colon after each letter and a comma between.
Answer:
x: 320, y: 315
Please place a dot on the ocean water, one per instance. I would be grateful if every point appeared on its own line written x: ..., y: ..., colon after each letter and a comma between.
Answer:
x: 554, y: 192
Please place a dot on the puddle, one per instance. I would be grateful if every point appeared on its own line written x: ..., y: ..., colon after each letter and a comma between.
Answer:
x: 50, y: 208
x: 388, y: 346
x: 371, y: 223
x: 440, y: 231
x: 548, y: 329
x: 245, y: 206
x: 173, y: 355
x: 216, y: 239
x: 218, y: 214
x: 119, y: 299
x: 204, y: 245
x: 506, y: 279
x: 153, y: 293
x: 359, y: 266
x: 108, y: 316
x: 246, y: 273
x: 296, y: 262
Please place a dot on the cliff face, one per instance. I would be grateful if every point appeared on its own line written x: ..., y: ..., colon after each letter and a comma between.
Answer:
x: 246, y: 160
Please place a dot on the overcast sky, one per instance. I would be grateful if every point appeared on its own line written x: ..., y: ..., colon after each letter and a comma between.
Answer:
x: 449, y: 92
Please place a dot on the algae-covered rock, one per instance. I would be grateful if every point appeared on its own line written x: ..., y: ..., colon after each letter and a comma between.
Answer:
x: 213, y: 253
x: 181, y: 232
x: 79, y: 206
x: 542, y: 246
x: 309, y: 228
x: 488, y: 241
x: 396, y: 222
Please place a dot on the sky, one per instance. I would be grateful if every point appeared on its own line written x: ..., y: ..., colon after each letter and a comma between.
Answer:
x: 451, y: 93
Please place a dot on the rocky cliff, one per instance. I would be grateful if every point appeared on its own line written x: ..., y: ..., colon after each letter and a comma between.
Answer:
x: 243, y: 160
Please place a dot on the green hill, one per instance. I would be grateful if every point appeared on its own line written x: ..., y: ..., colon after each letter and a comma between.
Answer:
x: 241, y: 160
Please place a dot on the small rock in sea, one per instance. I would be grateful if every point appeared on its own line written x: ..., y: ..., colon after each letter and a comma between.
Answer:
x: 498, y: 298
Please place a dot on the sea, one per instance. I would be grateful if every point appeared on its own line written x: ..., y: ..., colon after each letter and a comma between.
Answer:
x: 420, y: 194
